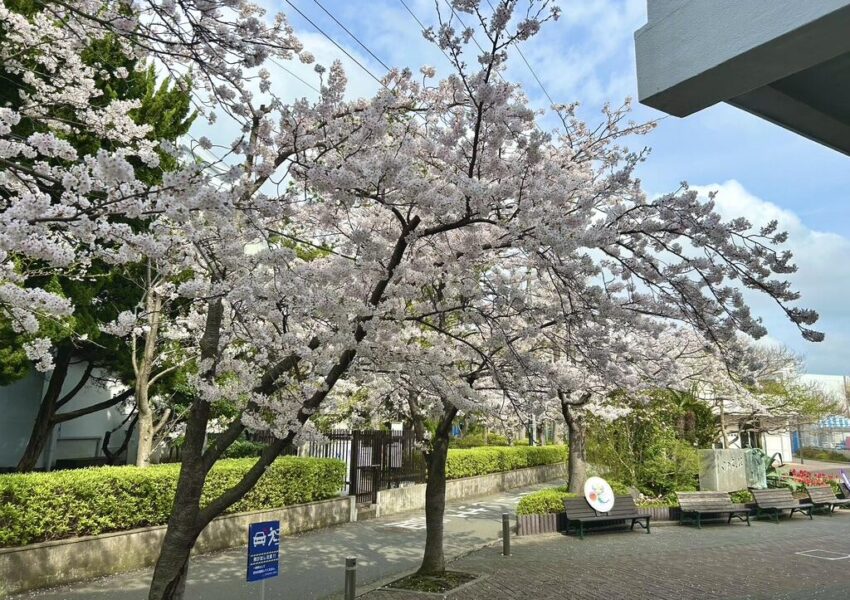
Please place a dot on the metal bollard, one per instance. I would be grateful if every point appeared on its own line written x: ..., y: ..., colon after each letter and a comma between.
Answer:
x: 350, y: 577
x: 506, y: 534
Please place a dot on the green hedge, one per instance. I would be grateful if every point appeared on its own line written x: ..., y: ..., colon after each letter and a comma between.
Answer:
x: 551, y: 500
x: 36, y: 507
x: 244, y: 449
x: 544, y: 501
x: 477, y: 440
x: 481, y: 461
x: 741, y: 497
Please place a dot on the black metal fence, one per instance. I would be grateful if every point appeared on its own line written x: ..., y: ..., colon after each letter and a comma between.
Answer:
x: 267, y: 437
x: 375, y: 459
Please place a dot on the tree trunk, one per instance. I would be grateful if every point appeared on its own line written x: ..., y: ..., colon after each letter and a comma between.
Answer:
x: 724, y: 438
x: 143, y: 368
x: 112, y: 457
x: 577, y: 466
x: 577, y: 462
x: 146, y: 425
x: 434, y: 560
x: 185, y: 525
x: 44, y: 420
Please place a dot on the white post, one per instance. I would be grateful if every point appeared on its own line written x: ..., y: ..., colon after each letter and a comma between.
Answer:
x: 533, y: 429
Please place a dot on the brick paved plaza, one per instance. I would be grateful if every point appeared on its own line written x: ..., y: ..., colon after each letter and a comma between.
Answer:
x: 674, y: 562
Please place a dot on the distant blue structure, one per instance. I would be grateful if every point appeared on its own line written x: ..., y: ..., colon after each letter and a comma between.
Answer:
x: 835, y: 422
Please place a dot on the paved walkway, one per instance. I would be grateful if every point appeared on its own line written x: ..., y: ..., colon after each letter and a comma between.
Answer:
x: 313, y: 564
x: 795, y: 560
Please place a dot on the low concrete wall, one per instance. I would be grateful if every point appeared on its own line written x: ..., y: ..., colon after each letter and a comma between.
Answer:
x: 412, y: 497
x: 63, y: 561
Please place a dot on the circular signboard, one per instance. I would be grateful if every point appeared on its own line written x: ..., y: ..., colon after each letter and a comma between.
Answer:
x: 598, y: 494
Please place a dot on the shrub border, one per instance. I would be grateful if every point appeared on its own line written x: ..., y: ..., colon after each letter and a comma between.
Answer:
x: 57, y: 562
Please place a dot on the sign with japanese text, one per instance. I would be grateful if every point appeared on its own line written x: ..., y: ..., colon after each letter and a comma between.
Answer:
x: 263, y: 550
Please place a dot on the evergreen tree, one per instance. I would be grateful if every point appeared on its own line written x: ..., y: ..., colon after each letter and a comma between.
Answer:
x: 103, y: 292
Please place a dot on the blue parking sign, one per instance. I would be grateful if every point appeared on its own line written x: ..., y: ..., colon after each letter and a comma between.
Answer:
x: 263, y: 550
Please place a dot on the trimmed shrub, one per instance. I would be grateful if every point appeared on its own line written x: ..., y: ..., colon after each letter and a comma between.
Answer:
x: 36, y: 507
x: 551, y: 500
x: 494, y: 439
x: 619, y: 488
x: 741, y: 497
x: 668, y: 501
x: 481, y: 461
x: 544, y: 501
x: 244, y: 449
x: 477, y: 440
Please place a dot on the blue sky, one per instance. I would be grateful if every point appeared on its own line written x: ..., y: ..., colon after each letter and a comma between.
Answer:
x: 761, y: 170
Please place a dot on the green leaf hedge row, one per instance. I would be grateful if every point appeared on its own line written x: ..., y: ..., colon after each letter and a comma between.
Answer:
x: 477, y: 440
x: 482, y: 461
x: 37, y: 507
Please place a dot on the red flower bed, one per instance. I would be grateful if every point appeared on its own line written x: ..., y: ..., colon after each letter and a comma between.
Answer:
x: 807, y: 478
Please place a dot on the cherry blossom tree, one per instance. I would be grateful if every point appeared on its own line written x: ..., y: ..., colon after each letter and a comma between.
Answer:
x: 432, y: 226
x: 757, y: 383
x: 155, y: 331
x: 94, y: 290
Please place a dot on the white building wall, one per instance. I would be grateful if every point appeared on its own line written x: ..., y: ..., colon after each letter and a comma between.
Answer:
x: 778, y: 442
x: 18, y: 407
x: 78, y: 438
x: 82, y: 437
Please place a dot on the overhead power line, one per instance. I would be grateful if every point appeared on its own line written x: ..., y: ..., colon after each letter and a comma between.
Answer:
x: 356, y: 39
x: 301, y: 79
x: 528, y: 64
x: 334, y: 42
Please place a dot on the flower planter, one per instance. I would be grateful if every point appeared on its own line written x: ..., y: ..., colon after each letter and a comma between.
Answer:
x: 536, y: 524
x: 661, y: 513
x: 557, y: 522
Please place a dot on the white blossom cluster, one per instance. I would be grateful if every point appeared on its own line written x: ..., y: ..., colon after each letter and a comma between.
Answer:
x: 431, y: 239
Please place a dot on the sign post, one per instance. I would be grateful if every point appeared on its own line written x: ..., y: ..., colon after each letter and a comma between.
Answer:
x: 263, y: 552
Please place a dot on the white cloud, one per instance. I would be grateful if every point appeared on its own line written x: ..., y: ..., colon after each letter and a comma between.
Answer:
x: 588, y: 55
x: 823, y: 278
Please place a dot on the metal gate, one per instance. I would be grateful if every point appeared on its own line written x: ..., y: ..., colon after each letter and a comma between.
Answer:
x: 376, y: 460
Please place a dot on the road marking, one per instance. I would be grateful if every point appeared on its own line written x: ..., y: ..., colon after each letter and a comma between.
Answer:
x: 414, y: 523
x: 818, y: 553
x: 468, y: 512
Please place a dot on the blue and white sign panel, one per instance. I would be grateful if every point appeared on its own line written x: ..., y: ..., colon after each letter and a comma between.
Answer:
x: 263, y: 550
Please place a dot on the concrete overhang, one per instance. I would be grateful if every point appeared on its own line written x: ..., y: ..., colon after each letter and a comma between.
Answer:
x: 787, y: 61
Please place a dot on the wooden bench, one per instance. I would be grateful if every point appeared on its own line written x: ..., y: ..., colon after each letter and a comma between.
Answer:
x: 579, y: 512
x: 696, y: 504
x: 774, y: 501
x: 822, y: 496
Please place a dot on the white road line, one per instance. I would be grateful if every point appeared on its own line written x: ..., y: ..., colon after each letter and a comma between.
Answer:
x: 818, y: 553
